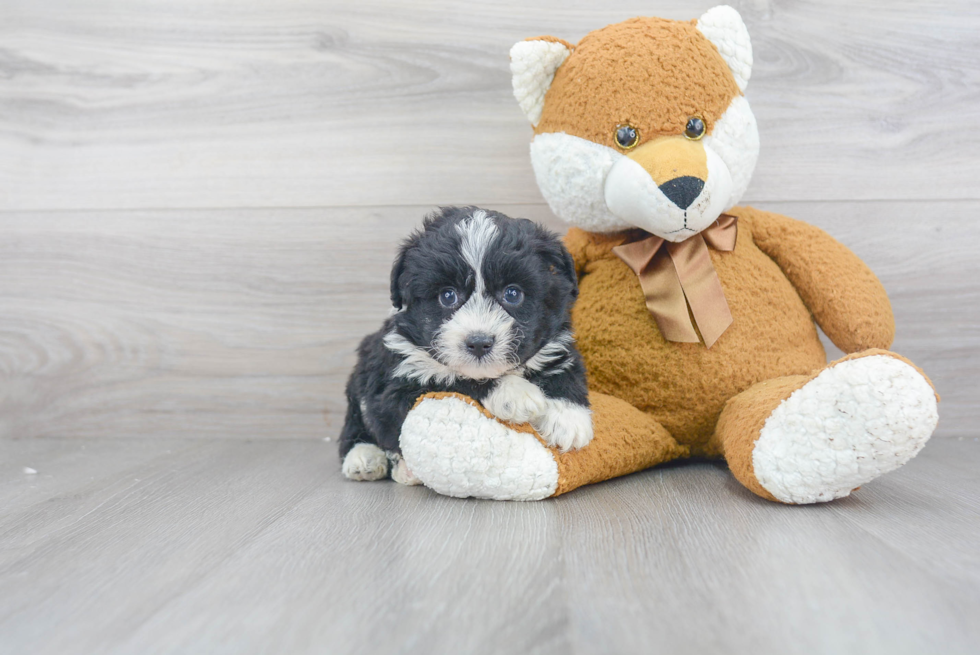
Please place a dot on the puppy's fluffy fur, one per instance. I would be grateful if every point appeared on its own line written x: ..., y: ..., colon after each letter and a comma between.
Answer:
x: 481, y: 306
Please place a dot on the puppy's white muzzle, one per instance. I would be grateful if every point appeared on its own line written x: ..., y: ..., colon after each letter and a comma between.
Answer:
x: 480, y: 315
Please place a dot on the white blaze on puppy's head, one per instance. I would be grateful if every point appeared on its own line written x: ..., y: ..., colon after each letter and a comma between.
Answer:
x: 627, y: 141
x: 477, y: 234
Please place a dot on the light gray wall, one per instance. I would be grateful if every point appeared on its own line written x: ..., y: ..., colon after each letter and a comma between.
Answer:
x: 199, y: 201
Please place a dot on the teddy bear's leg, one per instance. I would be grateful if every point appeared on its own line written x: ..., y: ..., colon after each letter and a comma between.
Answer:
x: 813, y: 438
x: 455, y: 447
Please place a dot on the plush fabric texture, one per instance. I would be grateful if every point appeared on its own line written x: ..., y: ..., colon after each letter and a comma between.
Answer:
x: 910, y: 404
x: 684, y: 385
x: 609, y: 78
x: 532, y: 65
x: 455, y: 447
x: 853, y: 422
x: 741, y: 422
x: 571, y: 174
x: 735, y: 138
x: 724, y: 27
x: 626, y: 440
x: 847, y: 300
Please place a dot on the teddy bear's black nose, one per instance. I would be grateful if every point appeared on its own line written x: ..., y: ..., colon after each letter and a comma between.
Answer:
x: 479, y: 344
x: 682, y: 190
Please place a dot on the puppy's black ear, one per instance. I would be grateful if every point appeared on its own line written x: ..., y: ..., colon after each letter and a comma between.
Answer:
x: 560, y: 260
x: 398, y: 268
x: 568, y: 268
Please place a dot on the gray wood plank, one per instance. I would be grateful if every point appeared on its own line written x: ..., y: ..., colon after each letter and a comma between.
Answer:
x: 183, y: 103
x: 380, y: 568
x: 946, y: 504
x: 710, y: 567
x: 89, y: 566
x: 243, y: 323
x: 61, y: 469
x: 261, y: 547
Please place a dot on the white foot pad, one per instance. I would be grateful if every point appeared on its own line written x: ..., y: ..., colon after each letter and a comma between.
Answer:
x: 365, y: 462
x: 400, y: 472
x: 457, y: 451
x: 852, y: 423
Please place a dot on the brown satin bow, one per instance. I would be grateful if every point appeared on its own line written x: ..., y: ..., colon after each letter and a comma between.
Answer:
x: 670, y: 272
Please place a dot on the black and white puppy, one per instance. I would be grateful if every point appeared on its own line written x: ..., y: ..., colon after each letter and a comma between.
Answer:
x: 481, y: 306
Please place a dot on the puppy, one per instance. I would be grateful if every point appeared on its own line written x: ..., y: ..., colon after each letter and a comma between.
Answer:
x: 481, y: 306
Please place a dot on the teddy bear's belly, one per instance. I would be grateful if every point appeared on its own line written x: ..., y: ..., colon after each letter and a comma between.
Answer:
x: 685, y: 385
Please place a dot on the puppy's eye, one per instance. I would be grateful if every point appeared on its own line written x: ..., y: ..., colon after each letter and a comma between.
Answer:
x: 694, y: 129
x: 627, y: 136
x: 448, y: 298
x: 513, y: 295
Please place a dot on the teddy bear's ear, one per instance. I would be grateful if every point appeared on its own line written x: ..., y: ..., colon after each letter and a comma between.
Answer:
x: 533, y: 64
x: 724, y: 27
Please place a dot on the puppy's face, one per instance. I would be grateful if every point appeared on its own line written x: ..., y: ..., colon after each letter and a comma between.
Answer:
x: 480, y: 293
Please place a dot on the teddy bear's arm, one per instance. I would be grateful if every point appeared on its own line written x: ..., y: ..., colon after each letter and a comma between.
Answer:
x: 846, y: 299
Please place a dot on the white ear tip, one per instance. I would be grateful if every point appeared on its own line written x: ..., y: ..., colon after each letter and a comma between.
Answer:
x: 533, y: 65
x: 723, y: 26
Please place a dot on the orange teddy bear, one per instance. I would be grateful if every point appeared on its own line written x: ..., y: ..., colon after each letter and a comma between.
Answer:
x: 696, y: 318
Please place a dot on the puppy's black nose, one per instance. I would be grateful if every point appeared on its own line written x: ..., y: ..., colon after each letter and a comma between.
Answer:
x: 682, y: 191
x: 478, y: 344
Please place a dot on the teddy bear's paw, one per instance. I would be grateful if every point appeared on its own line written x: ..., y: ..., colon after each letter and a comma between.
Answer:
x: 365, y: 462
x: 516, y: 400
x: 564, y: 425
x: 855, y: 421
x: 456, y: 450
x: 400, y: 472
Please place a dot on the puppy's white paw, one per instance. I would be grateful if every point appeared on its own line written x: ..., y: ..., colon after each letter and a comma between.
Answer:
x: 400, y: 472
x: 365, y: 462
x: 565, y: 425
x: 515, y: 399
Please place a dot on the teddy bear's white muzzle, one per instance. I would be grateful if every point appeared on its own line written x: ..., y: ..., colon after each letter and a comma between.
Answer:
x: 633, y: 196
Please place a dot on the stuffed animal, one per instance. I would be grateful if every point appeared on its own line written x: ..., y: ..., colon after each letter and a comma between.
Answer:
x: 697, y: 319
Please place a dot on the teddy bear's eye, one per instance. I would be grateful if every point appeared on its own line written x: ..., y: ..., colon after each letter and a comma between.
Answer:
x: 694, y: 129
x: 627, y: 136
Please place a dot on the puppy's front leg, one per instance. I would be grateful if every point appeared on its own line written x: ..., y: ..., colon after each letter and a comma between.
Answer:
x: 515, y: 399
x: 560, y: 422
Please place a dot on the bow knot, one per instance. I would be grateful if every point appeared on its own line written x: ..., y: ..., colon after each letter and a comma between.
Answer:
x: 674, y: 276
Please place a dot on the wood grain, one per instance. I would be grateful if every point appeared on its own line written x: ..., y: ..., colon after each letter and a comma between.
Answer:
x: 744, y: 575
x: 302, y: 103
x: 166, y: 523
x: 258, y: 547
x: 244, y: 323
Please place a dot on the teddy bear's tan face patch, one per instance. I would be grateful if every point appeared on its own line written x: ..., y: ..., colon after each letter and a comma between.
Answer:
x: 649, y: 73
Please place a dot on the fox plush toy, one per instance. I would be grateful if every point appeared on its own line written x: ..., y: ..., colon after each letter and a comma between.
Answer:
x: 696, y: 318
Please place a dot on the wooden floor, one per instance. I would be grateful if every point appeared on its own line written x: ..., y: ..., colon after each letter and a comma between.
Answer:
x: 199, y: 203
x: 228, y: 546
